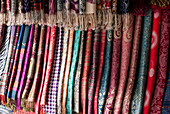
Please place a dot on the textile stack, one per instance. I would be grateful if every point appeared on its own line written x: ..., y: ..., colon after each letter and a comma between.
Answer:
x: 84, y: 56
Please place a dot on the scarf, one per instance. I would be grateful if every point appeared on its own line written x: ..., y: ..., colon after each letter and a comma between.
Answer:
x: 3, y: 57
x: 51, y: 104
x: 76, y: 104
x: 63, y: 62
x: 115, y: 65
x: 25, y: 67
x: 153, y: 61
x: 125, y: 59
x: 100, y: 68
x: 38, y: 69
x: 72, y: 72
x: 123, y: 6
x: 86, y: 69
x: 162, y: 64
x: 67, y: 69
x: 133, y: 65
x: 166, y: 101
x: 106, y: 73
x: 30, y: 72
x: 137, y: 99
x: 2, y: 30
x: 47, y: 46
x: 4, y: 78
x: 92, y: 75
x: 3, y: 5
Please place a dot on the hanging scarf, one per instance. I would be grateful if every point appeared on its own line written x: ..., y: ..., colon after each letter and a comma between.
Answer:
x: 115, y: 65
x: 8, y: 5
x: 67, y: 69
x: 63, y: 62
x: 137, y: 99
x: 133, y: 65
x: 66, y: 8
x: 92, y: 75
x: 72, y: 72
x: 162, y: 64
x: 51, y: 105
x: 30, y: 72
x: 125, y: 59
x: 100, y: 68
x: 86, y: 69
x: 153, y: 61
x: 47, y: 50
x: 82, y: 9
x: 3, y: 57
x: 76, y: 100
x: 74, y: 13
x: 2, y: 30
x: 52, y: 11
x: 16, y: 83
x: 49, y: 65
x: 166, y: 101
x: 122, y: 6
x: 106, y: 73
x: 3, y: 5
x: 25, y: 67
x: 59, y: 11
x: 4, y: 78
x: 20, y: 12
x: 38, y: 69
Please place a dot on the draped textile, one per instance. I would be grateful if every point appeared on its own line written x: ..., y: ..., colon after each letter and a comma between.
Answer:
x: 125, y: 59
x: 100, y: 68
x: 138, y: 96
x: 62, y: 69
x: 115, y: 65
x: 133, y: 65
x: 157, y: 99
x: 2, y: 30
x: 67, y: 70
x: 69, y: 103
x: 51, y: 104
x: 93, y: 70
x: 153, y: 61
x: 76, y: 100
x: 86, y: 69
x: 106, y: 73
x: 44, y: 68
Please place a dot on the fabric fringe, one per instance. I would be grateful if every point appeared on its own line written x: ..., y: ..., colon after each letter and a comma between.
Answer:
x: 8, y: 103
x: 23, y: 104
x: 59, y: 18
x: 109, y: 20
x: 82, y: 22
x: 75, y: 22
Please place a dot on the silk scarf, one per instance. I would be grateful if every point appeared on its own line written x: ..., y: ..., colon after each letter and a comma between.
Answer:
x: 76, y: 99
x: 30, y: 72
x: 63, y: 62
x: 166, y: 101
x: 3, y: 57
x: 114, y: 66
x: 86, y: 69
x: 100, y: 68
x: 38, y: 69
x: 125, y: 59
x: 51, y: 104
x: 67, y: 69
x: 133, y: 65
x: 106, y: 73
x: 162, y: 64
x: 47, y: 43
x: 49, y: 65
x: 4, y: 78
x: 138, y: 96
x: 69, y: 103
x: 93, y: 70
x: 153, y: 61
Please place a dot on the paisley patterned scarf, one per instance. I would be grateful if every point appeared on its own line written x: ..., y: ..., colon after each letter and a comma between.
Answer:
x: 92, y: 75
x: 138, y: 99
x: 86, y: 69
x: 100, y: 68
x: 133, y: 65
x: 162, y: 64
x: 106, y: 73
x: 72, y: 72
x: 115, y: 65
x: 153, y: 61
x: 76, y: 105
